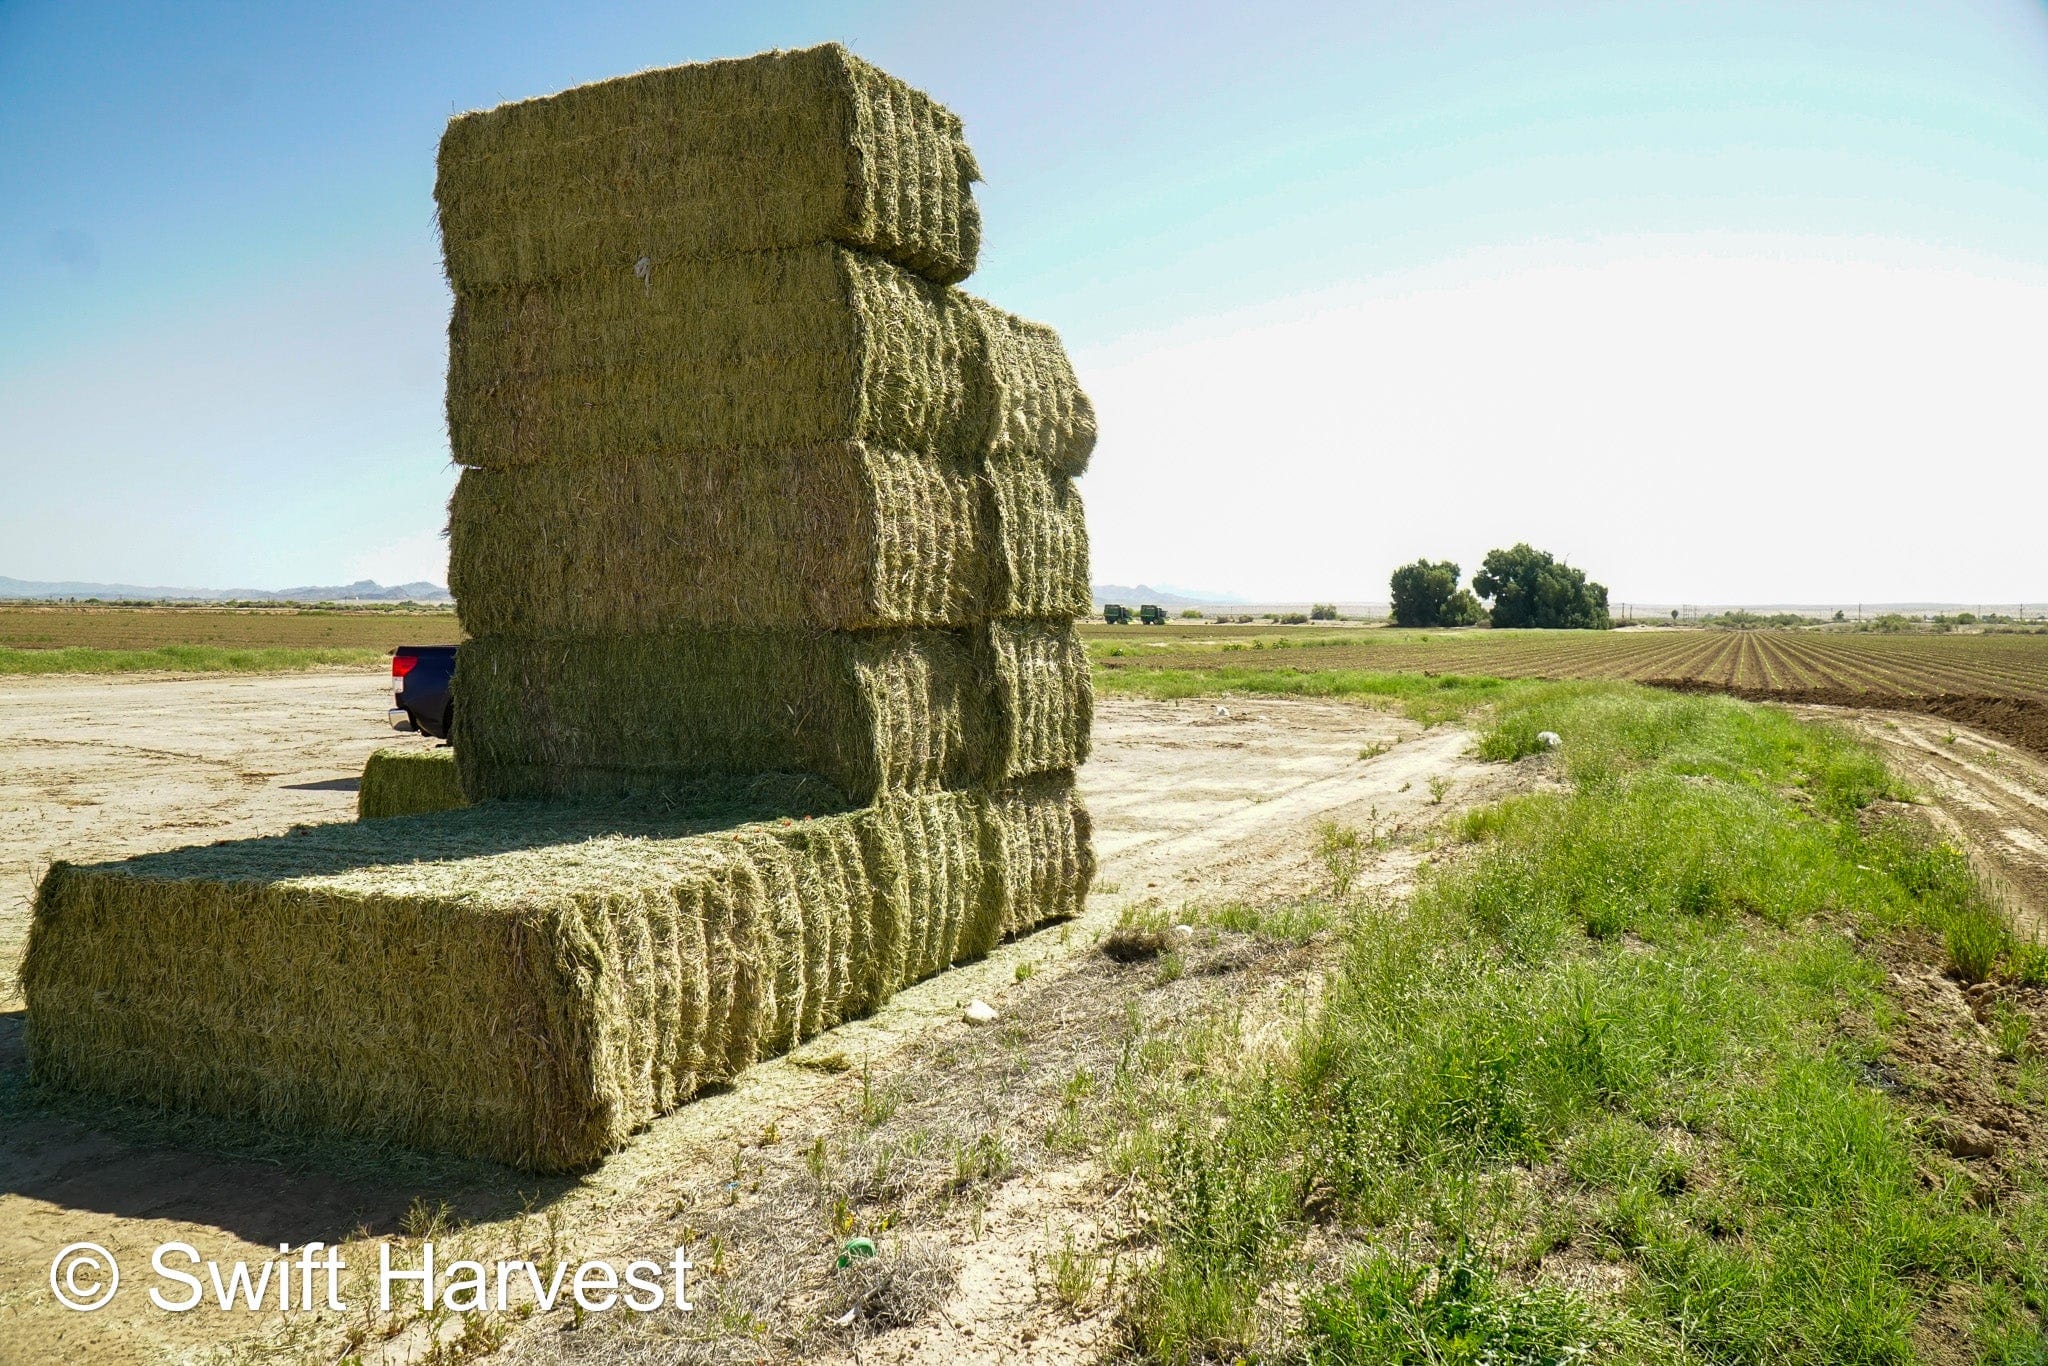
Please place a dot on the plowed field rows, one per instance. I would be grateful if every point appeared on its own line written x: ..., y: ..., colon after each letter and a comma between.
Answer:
x: 1999, y: 682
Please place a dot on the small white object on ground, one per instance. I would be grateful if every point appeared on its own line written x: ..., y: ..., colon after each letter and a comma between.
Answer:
x: 1549, y: 739
x: 979, y: 1012
x: 1184, y: 931
x: 1222, y: 710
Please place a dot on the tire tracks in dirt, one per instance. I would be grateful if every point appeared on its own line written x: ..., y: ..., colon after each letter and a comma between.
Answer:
x: 1990, y: 795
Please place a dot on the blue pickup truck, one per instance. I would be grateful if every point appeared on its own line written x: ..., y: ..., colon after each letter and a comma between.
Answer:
x: 421, y: 699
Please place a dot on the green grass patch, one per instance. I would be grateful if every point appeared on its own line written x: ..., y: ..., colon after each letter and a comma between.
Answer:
x: 196, y: 659
x: 1620, y: 1026
x: 1426, y: 698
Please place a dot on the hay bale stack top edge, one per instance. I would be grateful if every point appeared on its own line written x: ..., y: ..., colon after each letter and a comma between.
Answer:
x: 832, y: 148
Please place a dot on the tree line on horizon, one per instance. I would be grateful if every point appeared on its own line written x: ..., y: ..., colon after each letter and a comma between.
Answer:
x: 1527, y: 588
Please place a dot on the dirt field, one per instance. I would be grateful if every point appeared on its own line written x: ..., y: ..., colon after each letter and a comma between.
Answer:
x: 1990, y: 682
x: 1188, y: 803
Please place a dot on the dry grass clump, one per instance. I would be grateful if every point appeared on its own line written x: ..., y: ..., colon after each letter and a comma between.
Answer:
x: 779, y: 150
x: 408, y: 782
x: 522, y: 982
x: 869, y: 712
x: 1140, y: 934
x: 906, y: 1285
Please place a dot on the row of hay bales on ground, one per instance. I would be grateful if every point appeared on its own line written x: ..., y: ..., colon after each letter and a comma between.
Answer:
x: 768, y: 545
x: 520, y: 982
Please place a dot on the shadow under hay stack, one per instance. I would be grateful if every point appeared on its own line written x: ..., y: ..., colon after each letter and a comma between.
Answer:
x: 769, y: 549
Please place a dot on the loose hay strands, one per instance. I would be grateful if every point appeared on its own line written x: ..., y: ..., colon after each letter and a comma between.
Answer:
x: 868, y: 712
x: 528, y: 983
x: 596, y: 178
x: 840, y: 536
x: 780, y: 348
x: 408, y: 782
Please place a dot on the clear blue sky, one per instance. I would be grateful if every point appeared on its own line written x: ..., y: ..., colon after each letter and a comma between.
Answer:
x: 1645, y: 282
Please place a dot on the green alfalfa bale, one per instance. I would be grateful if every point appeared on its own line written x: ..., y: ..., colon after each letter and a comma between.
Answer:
x: 528, y: 983
x: 408, y: 782
x: 838, y: 535
x: 841, y: 536
x: 681, y: 956
x: 1039, y: 541
x: 866, y: 712
x: 568, y: 717
x: 1040, y: 852
x: 777, y: 150
x: 1040, y: 409
x: 730, y: 906
x: 773, y: 349
x: 1046, y: 700
x: 883, y: 934
x: 945, y: 893
x: 317, y: 1004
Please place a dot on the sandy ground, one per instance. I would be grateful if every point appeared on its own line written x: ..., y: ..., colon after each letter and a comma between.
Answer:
x: 1190, y: 802
x: 92, y: 768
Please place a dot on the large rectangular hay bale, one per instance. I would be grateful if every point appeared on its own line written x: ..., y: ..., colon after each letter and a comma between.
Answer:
x: 869, y: 712
x: 777, y: 150
x: 408, y: 782
x: 781, y: 348
x: 526, y: 983
x: 842, y: 536
x: 1040, y: 409
x: 1040, y: 540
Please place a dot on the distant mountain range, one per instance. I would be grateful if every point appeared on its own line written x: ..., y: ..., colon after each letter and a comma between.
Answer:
x: 363, y: 590
x: 1161, y: 597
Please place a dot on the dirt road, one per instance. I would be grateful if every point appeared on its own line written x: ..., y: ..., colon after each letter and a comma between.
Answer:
x: 1190, y: 801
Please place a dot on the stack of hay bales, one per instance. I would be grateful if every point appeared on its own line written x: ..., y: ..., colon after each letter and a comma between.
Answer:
x: 747, y: 484
x: 768, y: 546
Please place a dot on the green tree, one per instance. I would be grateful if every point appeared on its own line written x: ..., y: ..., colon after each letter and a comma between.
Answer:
x: 1531, y: 587
x: 1426, y: 593
x: 1465, y: 610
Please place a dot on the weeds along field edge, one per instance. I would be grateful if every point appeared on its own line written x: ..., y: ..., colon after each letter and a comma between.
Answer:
x: 1609, y: 1085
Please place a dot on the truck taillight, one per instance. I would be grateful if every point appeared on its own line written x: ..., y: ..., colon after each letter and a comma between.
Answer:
x: 401, y: 665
